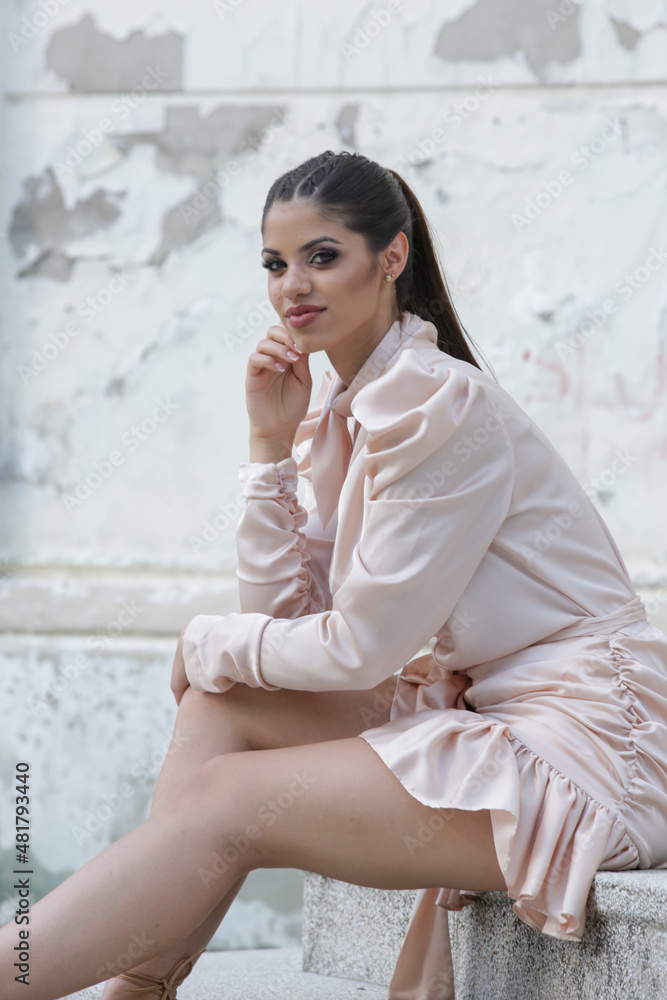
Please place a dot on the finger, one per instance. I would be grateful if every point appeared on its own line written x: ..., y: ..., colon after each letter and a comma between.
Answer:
x: 283, y: 336
x: 280, y: 333
x: 278, y: 358
x: 259, y: 362
x: 279, y: 351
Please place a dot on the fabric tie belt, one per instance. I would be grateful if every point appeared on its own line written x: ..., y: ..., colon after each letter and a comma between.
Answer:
x: 633, y: 611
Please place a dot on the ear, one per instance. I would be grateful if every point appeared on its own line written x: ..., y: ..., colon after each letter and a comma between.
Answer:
x: 395, y: 257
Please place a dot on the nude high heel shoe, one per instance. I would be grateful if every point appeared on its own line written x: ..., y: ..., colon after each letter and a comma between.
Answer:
x: 149, y: 984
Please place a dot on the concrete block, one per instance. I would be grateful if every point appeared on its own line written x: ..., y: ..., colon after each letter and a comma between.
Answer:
x: 623, y: 954
x: 354, y: 931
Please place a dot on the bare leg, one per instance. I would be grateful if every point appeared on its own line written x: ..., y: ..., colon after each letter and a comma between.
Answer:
x: 208, y: 725
x: 333, y: 808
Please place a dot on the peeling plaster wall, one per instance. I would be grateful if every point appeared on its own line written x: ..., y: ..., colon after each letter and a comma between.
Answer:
x: 139, y: 142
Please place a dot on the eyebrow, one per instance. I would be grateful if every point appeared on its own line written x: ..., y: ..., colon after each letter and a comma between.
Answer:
x: 306, y: 246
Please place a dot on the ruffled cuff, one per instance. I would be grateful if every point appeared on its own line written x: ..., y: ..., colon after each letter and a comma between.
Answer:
x: 222, y: 650
x: 264, y: 480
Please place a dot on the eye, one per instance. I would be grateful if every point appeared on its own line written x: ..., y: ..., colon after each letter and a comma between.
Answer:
x: 332, y: 254
x: 329, y: 254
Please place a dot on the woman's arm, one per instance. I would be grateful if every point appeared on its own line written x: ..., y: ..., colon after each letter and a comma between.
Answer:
x: 282, y: 568
x: 433, y: 507
x: 283, y: 554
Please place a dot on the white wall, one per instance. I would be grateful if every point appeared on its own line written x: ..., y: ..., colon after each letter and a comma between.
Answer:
x: 535, y: 136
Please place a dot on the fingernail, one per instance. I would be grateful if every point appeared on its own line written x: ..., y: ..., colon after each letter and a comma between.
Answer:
x: 295, y: 348
x: 279, y: 367
x: 292, y: 356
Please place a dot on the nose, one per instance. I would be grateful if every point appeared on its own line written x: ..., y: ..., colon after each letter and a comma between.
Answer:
x: 295, y: 282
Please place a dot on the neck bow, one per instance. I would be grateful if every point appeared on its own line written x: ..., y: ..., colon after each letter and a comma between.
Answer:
x: 330, y: 452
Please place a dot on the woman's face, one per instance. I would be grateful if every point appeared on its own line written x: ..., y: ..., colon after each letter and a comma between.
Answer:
x: 313, y: 261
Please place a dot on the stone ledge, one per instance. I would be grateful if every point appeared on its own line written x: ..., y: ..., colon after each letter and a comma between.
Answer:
x: 353, y: 931
x: 622, y: 956
x: 265, y: 974
x: 111, y: 601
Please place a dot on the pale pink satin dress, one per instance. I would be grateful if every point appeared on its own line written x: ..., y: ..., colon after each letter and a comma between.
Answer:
x: 434, y: 508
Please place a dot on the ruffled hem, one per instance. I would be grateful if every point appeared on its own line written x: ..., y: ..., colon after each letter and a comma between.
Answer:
x: 550, y: 835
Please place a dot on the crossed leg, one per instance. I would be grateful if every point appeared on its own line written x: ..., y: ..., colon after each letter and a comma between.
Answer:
x: 331, y: 807
x: 245, y: 718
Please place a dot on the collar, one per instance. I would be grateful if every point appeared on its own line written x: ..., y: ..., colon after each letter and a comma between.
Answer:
x: 399, y: 335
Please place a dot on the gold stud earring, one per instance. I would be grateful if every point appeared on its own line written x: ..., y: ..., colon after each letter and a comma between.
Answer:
x: 388, y: 277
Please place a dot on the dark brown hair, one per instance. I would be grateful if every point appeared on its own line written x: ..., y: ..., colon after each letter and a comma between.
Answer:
x: 377, y: 203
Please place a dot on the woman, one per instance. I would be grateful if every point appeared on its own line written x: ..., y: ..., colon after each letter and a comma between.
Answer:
x: 523, y: 753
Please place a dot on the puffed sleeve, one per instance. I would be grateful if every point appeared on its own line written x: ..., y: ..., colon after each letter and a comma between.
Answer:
x: 283, y: 555
x: 436, y: 492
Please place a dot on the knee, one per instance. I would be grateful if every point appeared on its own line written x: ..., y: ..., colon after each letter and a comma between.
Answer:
x: 220, y: 794
x: 210, y: 786
x: 211, y: 774
x: 218, y: 779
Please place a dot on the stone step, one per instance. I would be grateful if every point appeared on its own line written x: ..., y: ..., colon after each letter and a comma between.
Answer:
x: 623, y: 954
x: 262, y: 974
x: 350, y: 930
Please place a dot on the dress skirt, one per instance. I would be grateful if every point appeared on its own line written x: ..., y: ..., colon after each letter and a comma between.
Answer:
x: 565, y: 742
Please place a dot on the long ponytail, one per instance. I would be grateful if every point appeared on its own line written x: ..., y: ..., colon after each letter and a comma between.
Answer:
x: 424, y: 290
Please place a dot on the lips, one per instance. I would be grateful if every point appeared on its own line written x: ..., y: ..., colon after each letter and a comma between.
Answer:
x: 301, y: 310
x: 304, y: 316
